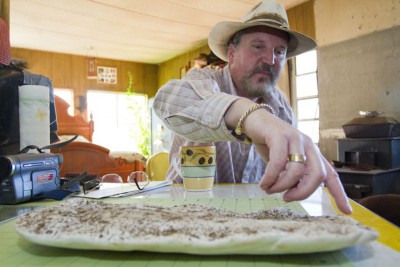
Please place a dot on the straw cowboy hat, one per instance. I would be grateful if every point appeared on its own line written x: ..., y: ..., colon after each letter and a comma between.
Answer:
x: 267, y: 13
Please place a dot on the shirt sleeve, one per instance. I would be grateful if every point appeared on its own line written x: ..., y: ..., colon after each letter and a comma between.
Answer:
x: 194, y: 107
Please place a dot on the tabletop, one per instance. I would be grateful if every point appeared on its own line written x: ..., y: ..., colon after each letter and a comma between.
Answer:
x: 15, y: 251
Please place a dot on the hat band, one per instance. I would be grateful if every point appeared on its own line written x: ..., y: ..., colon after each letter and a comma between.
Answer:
x: 273, y: 18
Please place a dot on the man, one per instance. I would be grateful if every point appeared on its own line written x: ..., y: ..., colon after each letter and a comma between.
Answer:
x: 240, y: 105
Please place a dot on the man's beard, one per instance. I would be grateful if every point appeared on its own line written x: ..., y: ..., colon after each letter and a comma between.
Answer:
x: 263, y: 86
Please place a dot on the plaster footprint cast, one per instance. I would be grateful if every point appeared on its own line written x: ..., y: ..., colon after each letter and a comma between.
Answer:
x: 191, y: 228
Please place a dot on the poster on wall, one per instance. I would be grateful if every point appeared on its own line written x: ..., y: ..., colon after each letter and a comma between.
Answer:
x: 107, y: 75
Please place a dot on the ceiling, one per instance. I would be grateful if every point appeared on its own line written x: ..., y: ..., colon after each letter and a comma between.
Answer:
x: 147, y: 31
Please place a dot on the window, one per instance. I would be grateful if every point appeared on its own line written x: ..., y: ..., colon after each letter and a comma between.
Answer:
x: 120, y: 120
x: 306, y: 94
x: 68, y: 96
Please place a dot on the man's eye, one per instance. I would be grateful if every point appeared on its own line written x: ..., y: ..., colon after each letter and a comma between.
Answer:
x: 280, y: 52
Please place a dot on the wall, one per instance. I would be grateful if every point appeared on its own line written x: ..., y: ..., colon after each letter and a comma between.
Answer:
x: 69, y: 71
x: 341, y: 20
x: 358, y: 63
x: 171, y: 69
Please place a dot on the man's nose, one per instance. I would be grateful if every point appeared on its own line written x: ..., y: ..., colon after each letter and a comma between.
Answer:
x: 269, y: 57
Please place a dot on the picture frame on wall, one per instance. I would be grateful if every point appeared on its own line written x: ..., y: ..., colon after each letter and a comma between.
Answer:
x: 106, y: 75
x: 91, y: 68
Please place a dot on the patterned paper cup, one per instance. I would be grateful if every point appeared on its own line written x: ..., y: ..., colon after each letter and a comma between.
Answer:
x: 197, y: 167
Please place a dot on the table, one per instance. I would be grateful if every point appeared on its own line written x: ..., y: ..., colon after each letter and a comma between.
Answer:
x: 15, y: 251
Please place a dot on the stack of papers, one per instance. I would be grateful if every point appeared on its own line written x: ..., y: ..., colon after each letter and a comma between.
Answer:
x: 122, y: 190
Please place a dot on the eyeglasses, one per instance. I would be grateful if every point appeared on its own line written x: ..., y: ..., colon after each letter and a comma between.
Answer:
x: 137, y: 178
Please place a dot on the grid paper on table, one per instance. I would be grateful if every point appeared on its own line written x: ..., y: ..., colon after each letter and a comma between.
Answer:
x: 233, y: 204
x: 15, y: 251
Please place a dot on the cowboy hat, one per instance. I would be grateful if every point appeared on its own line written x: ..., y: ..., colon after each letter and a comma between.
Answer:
x: 268, y: 14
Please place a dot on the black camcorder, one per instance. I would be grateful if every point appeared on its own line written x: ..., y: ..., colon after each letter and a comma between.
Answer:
x: 24, y: 177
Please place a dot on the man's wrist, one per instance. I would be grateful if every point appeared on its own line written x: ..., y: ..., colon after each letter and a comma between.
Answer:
x: 238, y: 132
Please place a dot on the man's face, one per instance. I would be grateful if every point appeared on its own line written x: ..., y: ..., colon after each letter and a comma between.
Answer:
x: 257, y: 62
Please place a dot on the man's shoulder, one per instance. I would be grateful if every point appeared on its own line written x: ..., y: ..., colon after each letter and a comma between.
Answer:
x: 221, y: 76
x: 206, y: 72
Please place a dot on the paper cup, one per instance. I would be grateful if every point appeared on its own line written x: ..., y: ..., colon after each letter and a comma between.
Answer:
x: 196, y: 167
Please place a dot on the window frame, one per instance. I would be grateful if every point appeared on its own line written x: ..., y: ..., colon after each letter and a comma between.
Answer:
x: 294, y: 93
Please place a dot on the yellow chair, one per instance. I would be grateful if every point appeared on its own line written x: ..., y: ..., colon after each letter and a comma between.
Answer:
x: 157, y: 166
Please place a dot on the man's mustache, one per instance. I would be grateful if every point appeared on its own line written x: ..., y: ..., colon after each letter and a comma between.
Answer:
x: 264, y: 68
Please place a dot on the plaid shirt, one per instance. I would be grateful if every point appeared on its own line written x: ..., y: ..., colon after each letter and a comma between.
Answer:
x: 194, y: 107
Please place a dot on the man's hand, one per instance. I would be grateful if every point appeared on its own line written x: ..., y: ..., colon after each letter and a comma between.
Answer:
x: 276, y: 139
x: 301, y: 180
x: 298, y: 180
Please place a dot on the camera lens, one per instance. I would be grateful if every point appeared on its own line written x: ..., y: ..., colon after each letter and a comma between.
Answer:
x: 5, y: 167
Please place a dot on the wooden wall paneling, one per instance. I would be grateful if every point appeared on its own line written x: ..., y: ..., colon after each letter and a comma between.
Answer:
x: 138, y: 79
x: 78, y: 79
x: 63, y: 74
x: 171, y: 69
x: 123, y: 76
x: 301, y: 18
x: 150, y: 79
x: 5, y: 11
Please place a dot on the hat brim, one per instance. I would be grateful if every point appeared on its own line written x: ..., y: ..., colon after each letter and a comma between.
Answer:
x: 223, y: 32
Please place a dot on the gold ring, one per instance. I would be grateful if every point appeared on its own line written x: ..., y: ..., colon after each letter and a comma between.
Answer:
x: 299, y: 158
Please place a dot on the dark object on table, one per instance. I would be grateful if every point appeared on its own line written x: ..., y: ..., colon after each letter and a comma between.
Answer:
x: 353, y: 166
x: 89, y: 183
x: 89, y: 177
x: 371, y: 125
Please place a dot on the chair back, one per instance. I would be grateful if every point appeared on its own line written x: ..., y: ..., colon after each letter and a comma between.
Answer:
x: 385, y: 205
x: 157, y: 166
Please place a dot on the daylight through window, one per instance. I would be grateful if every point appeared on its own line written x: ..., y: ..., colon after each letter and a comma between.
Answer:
x: 118, y: 119
x: 306, y: 94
